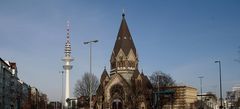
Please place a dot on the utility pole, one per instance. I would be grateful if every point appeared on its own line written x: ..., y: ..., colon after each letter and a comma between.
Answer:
x: 62, y: 99
x: 201, y: 105
x: 220, y: 80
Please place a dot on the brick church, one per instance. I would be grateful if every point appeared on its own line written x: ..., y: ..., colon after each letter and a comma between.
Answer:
x: 124, y: 87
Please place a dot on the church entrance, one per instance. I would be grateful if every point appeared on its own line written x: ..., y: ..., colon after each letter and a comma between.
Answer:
x: 116, y: 104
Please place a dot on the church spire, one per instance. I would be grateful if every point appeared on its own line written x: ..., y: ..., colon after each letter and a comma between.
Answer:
x: 124, y: 54
x: 124, y: 39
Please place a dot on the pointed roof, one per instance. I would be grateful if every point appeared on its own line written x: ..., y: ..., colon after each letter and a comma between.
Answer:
x: 135, y: 74
x: 104, y: 75
x: 124, y: 39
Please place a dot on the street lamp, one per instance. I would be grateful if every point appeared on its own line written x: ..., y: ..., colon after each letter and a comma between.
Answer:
x: 90, y: 90
x: 158, y: 96
x: 62, y: 90
x: 220, y: 76
x: 200, y: 77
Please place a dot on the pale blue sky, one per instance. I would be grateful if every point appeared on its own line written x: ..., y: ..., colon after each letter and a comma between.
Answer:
x: 179, y: 37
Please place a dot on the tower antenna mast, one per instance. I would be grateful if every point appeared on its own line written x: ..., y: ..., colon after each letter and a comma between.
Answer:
x: 67, y: 66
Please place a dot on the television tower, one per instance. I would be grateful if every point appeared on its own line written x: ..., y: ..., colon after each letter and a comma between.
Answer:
x: 67, y: 67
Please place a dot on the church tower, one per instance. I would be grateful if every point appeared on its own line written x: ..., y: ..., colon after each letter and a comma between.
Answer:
x: 125, y: 87
x: 124, y: 58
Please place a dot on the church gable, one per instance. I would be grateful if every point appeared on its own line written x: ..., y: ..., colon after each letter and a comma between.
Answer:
x: 139, y: 77
x: 116, y: 79
x: 139, y: 83
x: 104, y: 76
x: 131, y: 56
x: 121, y: 55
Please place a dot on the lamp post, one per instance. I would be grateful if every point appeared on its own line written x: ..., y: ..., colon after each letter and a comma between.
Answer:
x: 90, y: 89
x: 158, y: 96
x: 62, y: 90
x: 200, y: 77
x: 220, y: 77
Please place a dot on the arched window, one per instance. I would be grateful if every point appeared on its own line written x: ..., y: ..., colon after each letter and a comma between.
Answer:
x: 117, y: 89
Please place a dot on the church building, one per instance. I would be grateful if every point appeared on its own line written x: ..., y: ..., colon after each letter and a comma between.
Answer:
x: 124, y: 87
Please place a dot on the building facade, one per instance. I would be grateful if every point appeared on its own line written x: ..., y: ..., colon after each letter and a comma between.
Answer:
x: 9, y: 85
x: 233, y: 98
x: 14, y: 93
x: 124, y: 87
x: 54, y: 105
x: 183, y: 97
x: 209, y: 101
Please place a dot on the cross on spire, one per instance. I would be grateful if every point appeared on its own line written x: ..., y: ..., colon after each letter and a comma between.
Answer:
x: 123, y: 13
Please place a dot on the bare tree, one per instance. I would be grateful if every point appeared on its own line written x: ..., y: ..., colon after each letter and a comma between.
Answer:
x: 83, y: 85
x: 159, y: 79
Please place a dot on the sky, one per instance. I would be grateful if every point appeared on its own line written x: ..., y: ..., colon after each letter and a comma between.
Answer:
x: 182, y: 38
